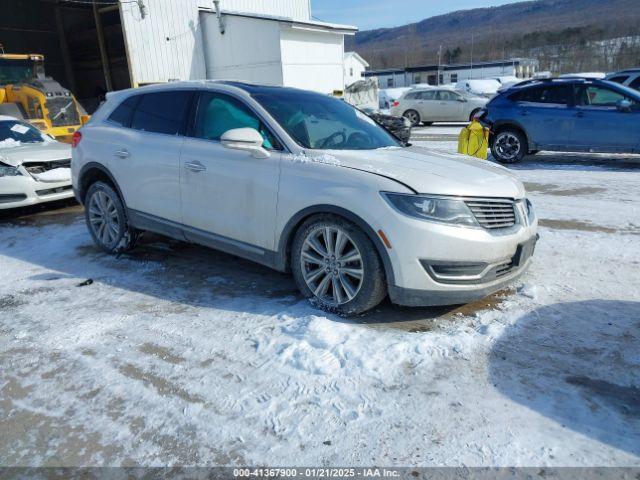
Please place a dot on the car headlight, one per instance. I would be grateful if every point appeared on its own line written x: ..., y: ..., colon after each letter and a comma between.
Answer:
x: 451, y: 211
x: 7, y: 171
x: 531, y: 214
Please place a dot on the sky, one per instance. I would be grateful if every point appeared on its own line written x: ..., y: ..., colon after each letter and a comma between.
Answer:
x: 368, y: 14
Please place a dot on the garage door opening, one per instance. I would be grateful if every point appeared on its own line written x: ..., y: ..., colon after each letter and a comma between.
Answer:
x: 82, y: 42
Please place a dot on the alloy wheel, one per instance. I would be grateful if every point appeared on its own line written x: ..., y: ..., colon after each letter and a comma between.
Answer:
x: 103, y: 218
x: 507, y: 145
x: 332, y: 265
x: 413, y: 117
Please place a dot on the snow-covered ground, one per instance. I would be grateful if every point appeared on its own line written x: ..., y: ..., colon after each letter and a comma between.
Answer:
x: 175, y: 354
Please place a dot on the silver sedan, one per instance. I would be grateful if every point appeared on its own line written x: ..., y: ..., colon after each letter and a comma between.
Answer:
x: 437, y: 105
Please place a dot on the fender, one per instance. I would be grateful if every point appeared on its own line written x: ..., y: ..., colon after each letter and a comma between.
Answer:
x: 286, y: 237
x: 80, y: 191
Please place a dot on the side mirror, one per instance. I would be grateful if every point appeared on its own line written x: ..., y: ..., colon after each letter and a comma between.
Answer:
x: 246, y: 139
x: 624, y: 106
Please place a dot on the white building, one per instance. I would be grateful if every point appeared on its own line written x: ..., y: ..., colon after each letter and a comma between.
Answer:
x: 354, y: 68
x: 274, y: 42
x: 446, y: 74
x: 92, y: 47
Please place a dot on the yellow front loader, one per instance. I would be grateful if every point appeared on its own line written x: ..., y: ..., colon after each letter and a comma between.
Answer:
x: 26, y: 93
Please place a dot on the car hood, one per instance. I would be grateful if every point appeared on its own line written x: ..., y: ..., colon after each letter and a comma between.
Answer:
x: 429, y: 171
x: 43, y: 152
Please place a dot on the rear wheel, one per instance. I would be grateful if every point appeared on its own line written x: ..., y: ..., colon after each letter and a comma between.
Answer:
x: 336, y: 265
x: 413, y: 117
x: 509, y: 146
x: 106, y: 219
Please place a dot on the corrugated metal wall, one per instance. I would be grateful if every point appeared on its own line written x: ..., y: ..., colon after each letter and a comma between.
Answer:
x: 167, y: 43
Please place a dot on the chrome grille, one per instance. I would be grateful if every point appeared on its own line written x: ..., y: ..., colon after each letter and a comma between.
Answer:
x: 493, y: 214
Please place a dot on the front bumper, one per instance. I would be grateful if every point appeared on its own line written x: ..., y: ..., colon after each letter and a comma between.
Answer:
x: 421, y: 298
x: 499, y: 257
x: 22, y: 191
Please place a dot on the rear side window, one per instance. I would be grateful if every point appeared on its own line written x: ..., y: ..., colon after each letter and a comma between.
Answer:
x: 161, y: 112
x: 636, y: 83
x: 121, y: 116
x: 427, y: 95
x: 551, y: 94
x: 411, y: 96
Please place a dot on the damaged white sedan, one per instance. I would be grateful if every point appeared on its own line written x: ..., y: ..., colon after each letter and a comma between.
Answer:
x: 34, y: 168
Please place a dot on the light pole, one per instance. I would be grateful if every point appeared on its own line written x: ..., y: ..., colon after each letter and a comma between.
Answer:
x: 439, y: 63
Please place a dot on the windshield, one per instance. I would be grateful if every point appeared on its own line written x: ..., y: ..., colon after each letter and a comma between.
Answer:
x: 15, y: 71
x: 320, y: 122
x: 13, y: 133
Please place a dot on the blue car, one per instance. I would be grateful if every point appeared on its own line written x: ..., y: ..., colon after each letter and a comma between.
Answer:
x: 565, y: 114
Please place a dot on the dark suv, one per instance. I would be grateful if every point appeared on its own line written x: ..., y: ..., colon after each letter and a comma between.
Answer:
x: 570, y: 115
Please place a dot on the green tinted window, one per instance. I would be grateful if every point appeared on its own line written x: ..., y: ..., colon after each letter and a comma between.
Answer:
x: 218, y: 114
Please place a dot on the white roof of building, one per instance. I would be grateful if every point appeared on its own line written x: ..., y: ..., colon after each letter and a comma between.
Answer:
x: 357, y: 57
x: 306, y: 24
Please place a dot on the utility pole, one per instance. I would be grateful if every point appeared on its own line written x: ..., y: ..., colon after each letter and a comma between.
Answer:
x: 439, y: 63
x: 472, y: 42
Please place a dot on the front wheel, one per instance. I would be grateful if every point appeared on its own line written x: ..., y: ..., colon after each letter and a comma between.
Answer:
x: 106, y: 219
x: 509, y: 146
x: 336, y: 265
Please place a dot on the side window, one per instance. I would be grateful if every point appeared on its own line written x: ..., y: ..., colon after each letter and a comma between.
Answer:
x: 447, y: 96
x: 411, y: 96
x: 161, y: 112
x: 121, y: 116
x: 593, y: 96
x: 553, y: 94
x: 218, y: 113
x: 636, y: 83
x: 619, y: 79
x: 429, y: 95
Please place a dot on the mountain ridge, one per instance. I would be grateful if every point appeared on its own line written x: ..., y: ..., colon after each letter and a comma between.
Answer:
x: 497, y: 32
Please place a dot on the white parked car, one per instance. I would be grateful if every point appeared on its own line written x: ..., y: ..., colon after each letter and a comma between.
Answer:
x: 437, y: 105
x: 480, y: 87
x: 34, y: 168
x: 301, y: 182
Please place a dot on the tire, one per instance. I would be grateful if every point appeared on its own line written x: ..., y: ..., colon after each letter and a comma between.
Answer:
x: 106, y: 219
x: 509, y: 146
x: 413, y: 116
x: 344, y: 287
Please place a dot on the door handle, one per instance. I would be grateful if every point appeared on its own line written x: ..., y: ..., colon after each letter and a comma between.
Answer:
x: 124, y: 153
x: 195, y: 167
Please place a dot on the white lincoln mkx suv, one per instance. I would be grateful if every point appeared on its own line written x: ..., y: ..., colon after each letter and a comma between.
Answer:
x: 301, y: 182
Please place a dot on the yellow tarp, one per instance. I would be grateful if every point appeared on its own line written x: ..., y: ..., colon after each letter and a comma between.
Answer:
x: 474, y: 141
